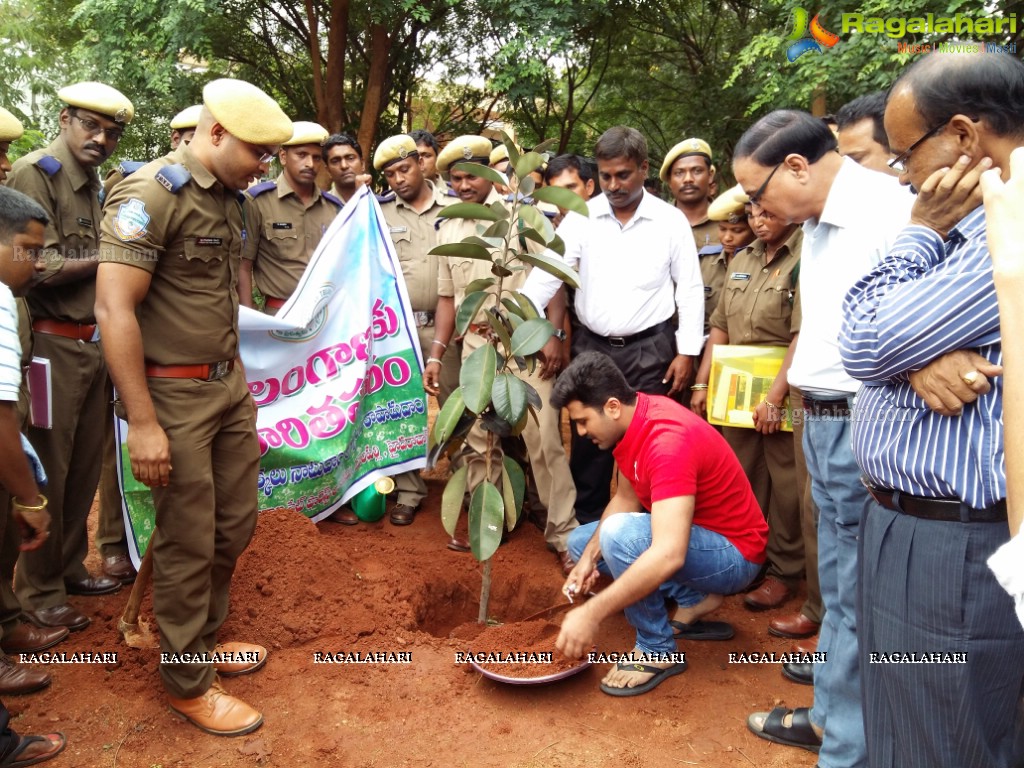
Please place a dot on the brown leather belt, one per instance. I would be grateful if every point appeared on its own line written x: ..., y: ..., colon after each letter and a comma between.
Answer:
x: 827, y: 407
x: 275, y: 303
x: 949, y: 510
x: 206, y: 372
x: 78, y: 331
x: 621, y: 341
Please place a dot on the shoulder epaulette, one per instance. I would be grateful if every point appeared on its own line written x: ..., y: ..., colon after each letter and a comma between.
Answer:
x: 49, y: 164
x: 546, y: 212
x: 258, y: 189
x: 332, y: 198
x: 386, y: 198
x: 128, y: 167
x: 452, y: 193
x: 709, y: 250
x: 173, y: 177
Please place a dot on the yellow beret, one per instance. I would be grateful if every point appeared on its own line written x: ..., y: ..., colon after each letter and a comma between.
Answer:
x: 11, y: 128
x: 498, y: 154
x: 187, y: 118
x: 728, y: 205
x: 307, y: 133
x: 683, y: 148
x: 463, y: 149
x: 246, y: 112
x: 393, y: 149
x: 100, y: 98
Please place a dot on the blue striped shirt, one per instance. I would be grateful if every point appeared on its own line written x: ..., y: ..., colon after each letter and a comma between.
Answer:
x: 927, y: 298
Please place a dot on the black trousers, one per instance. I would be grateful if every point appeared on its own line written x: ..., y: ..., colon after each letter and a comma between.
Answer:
x: 643, y: 362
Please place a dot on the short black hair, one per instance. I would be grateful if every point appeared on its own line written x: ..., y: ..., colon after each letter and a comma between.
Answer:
x: 561, y: 163
x: 16, y: 211
x: 338, y: 140
x: 592, y: 378
x: 784, y: 132
x: 989, y: 87
x: 421, y: 137
x: 622, y: 141
x: 870, y: 106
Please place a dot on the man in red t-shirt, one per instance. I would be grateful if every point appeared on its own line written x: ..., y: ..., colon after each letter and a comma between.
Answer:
x: 683, y: 525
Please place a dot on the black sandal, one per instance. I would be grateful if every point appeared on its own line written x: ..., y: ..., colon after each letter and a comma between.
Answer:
x: 10, y: 760
x: 800, y: 733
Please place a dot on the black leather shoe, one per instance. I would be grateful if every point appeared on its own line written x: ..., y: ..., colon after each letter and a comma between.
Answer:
x: 91, y: 586
x: 59, y: 616
x: 120, y: 567
x: 799, y: 673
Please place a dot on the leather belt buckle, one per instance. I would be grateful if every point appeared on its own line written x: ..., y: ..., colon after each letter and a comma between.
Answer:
x: 423, y: 319
x: 616, y: 341
x: 220, y: 370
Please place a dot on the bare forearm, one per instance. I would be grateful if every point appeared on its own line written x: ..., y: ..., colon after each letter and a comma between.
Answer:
x: 245, y: 284
x: 15, y: 473
x: 122, y: 348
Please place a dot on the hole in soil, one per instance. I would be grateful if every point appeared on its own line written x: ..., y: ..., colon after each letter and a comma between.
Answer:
x: 445, y: 605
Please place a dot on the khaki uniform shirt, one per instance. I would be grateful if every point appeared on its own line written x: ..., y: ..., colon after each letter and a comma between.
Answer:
x: 757, y: 301
x: 281, y: 233
x: 70, y: 195
x: 190, y: 241
x: 713, y: 266
x: 414, y: 234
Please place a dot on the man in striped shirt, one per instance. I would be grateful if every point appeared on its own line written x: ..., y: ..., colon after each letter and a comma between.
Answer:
x: 923, y: 329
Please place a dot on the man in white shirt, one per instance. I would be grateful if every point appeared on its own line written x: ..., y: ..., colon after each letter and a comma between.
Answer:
x: 788, y: 164
x: 638, y: 267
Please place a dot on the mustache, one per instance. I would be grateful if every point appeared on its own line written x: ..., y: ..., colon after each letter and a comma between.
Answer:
x: 96, y: 148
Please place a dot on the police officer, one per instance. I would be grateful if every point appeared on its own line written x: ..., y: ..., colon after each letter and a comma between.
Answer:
x: 428, y: 148
x: 183, y: 125
x: 344, y: 160
x: 548, y: 462
x: 757, y: 308
x: 411, y: 211
x: 62, y: 178
x: 167, y: 302
x: 285, y: 220
x: 11, y: 129
x: 689, y: 173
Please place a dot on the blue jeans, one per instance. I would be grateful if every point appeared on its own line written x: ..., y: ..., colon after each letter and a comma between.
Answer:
x: 713, y: 566
x: 842, y: 501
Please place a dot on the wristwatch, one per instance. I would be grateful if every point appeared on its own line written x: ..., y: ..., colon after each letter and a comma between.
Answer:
x: 559, y: 334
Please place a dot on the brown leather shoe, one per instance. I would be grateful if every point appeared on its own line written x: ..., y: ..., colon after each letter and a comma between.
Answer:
x: 810, y: 645
x: 457, y: 544
x: 59, y: 616
x: 242, y: 658
x: 795, y: 626
x: 91, y: 586
x: 565, y: 562
x: 28, y: 639
x: 771, y: 594
x: 217, y: 712
x: 120, y: 567
x: 345, y: 516
x: 16, y: 680
x: 403, y: 514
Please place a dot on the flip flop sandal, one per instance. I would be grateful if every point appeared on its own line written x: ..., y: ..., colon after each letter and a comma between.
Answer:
x: 799, y: 734
x: 703, y: 630
x: 659, y: 676
x: 11, y: 761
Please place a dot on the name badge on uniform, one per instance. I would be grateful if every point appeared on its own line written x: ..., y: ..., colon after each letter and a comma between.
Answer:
x: 397, y: 230
x: 739, y: 276
x: 707, y: 290
x: 209, y: 242
x: 83, y: 222
x: 282, y: 225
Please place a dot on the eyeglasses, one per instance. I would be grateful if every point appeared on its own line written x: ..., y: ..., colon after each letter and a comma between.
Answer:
x: 92, y: 128
x: 755, y: 199
x: 899, y: 163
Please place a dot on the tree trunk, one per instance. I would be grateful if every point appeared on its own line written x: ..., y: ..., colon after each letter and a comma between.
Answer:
x: 333, y: 107
x: 316, y: 62
x: 374, y: 99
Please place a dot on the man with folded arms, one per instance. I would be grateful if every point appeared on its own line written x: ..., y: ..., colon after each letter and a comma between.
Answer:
x: 167, y: 303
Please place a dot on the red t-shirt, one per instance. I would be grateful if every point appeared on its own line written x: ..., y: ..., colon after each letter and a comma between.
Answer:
x: 669, y: 451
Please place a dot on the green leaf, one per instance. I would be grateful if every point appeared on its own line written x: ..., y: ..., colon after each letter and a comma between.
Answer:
x: 500, y: 271
x: 527, y: 164
x: 476, y: 377
x: 552, y: 266
x: 513, y: 308
x: 530, y: 337
x: 492, y: 422
x: 463, y: 250
x: 468, y: 309
x: 486, y: 516
x: 533, y: 396
x: 557, y: 245
x: 448, y: 418
x: 483, y: 172
x: 498, y: 326
x: 498, y: 229
x: 563, y: 198
x: 545, y: 146
x: 468, y: 211
x: 538, y: 221
x: 480, y: 285
x: 532, y: 234
x: 451, y: 499
x: 509, y: 397
x: 529, y: 312
x: 513, y: 490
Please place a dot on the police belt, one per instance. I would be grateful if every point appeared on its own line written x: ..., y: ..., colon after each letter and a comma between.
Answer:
x: 622, y: 341
x: 205, y: 372
x: 423, y: 319
x: 949, y: 510
x: 839, y: 407
x: 78, y: 331
x: 272, y: 302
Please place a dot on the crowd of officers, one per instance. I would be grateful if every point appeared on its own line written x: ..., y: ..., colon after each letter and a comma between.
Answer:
x: 162, y: 296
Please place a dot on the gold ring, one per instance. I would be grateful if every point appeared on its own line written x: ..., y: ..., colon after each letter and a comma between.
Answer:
x: 969, y: 378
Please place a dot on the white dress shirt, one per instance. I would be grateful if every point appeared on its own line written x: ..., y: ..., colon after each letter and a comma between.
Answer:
x: 864, y: 213
x: 633, y: 275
